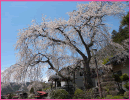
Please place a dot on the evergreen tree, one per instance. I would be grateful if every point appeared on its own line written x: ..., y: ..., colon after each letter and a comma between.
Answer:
x: 123, y: 33
x: 125, y: 20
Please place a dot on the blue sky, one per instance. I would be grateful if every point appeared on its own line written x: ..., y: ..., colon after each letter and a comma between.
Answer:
x: 18, y: 15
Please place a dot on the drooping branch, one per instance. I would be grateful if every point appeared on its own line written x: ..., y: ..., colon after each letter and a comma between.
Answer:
x: 58, y: 72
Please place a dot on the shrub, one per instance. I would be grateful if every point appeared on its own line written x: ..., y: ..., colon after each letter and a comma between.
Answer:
x: 108, y: 96
x: 109, y: 87
x: 126, y: 85
x: 126, y: 94
x: 59, y: 94
x: 90, y: 94
x: 117, y: 97
x: 78, y: 94
x: 100, y: 97
x: 117, y: 77
x: 121, y: 91
x: 113, y: 92
x: 110, y: 90
x: 114, y: 97
x: 124, y: 77
x: 78, y: 91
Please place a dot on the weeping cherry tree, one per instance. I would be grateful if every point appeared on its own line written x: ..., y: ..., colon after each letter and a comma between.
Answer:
x: 60, y: 42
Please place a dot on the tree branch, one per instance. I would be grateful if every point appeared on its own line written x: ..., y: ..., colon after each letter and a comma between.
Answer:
x: 71, y: 44
x: 58, y: 72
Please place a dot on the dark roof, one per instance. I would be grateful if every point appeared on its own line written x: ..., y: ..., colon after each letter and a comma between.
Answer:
x: 122, y: 56
x: 54, y: 77
x: 108, y: 63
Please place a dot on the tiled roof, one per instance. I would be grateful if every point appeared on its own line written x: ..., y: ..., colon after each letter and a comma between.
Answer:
x: 120, y: 57
x: 41, y: 92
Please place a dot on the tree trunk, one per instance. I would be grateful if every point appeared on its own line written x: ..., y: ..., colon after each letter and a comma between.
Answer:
x: 68, y: 85
x: 74, y: 80
x: 55, y: 84
x: 87, y: 79
x: 52, y: 85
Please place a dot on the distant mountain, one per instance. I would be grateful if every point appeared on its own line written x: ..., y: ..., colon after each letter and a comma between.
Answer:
x: 13, y: 87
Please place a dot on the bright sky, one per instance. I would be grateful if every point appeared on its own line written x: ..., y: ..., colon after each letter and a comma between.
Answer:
x: 18, y: 15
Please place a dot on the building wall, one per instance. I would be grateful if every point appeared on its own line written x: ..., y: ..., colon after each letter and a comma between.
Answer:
x: 116, y: 67
x: 63, y: 83
x: 123, y: 69
x: 79, y: 80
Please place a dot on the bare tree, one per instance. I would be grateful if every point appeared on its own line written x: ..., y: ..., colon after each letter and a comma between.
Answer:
x: 60, y: 43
